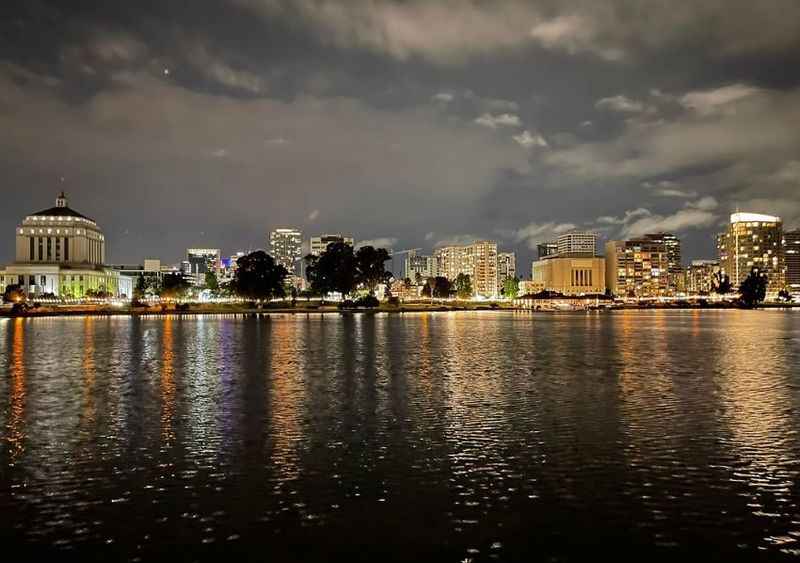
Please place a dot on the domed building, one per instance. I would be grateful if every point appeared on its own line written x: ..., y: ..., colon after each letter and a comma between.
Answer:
x: 61, y: 252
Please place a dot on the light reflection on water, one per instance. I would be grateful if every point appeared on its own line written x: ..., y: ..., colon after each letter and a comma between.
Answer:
x: 431, y: 436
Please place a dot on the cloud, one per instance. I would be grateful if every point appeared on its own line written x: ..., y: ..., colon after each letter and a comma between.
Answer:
x: 398, y: 166
x: 527, y: 140
x: 453, y: 32
x: 706, y: 203
x: 536, y: 233
x: 574, y: 34
x: 629, y: 216
x: 621, y: 104
x: 501, y: 120
x: 382, y: 242
x: 444, y: 97
x: 761, y: 131
x: 456, y: 240
x: 444, y: 32
x: 710, y: 101
x: 682, y: 220
x: 668, y: 188
x: 215, y: 68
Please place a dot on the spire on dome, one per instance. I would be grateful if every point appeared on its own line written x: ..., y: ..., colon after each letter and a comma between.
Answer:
x: 61, y: 200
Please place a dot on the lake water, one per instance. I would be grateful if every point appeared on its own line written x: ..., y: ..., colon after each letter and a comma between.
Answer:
x: 418, y: 437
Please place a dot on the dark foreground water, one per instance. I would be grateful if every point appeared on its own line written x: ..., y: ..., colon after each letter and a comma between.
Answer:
x: 421, y: 437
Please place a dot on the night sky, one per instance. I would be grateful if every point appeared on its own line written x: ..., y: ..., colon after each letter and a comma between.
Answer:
x: 208, y: 123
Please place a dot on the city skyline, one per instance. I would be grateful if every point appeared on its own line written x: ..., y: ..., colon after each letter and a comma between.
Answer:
x: 527, y: 120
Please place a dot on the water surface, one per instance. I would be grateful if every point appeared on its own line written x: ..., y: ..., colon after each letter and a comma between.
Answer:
x: 438, y: 436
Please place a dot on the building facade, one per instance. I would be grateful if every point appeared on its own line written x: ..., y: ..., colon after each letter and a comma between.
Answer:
x: 286, y: 247
x: 570, y: 275
x: 637, y: 268
x: 545, y: 249
x: 700, y: 277
x: 506, y: 266
x: 201, y: 261
x: 319, y: 244
x: 753, y: 241
x: 791, y: 252
x: 477, y: 260
x: 418, y: 265
x: 577, y: 244
x: 61, y: 252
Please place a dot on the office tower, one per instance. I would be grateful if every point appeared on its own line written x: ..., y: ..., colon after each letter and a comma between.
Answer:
x: 577, y: 244
x: 286, y: 247
x: 506, y: 266
x: 545, y: 249
x: 753, y: 241
x: 791, y: 252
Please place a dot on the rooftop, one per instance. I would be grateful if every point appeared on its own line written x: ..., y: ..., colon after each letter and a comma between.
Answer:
x: 753, y: 218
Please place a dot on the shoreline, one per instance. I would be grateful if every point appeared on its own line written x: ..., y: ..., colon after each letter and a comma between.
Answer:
x: 44, y: 312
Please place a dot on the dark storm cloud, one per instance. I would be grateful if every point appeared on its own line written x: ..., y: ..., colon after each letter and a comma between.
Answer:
x: 414, y: 122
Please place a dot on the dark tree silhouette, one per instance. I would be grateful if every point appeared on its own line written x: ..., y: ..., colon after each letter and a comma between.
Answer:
x: 211, y: 282
x: 441, y: 287
x: 753, y: 289
x: 13, y: 294
x: 174, y: 286
x: 258, y: 277
x: 722, y: 283
x: 463, y: 286
x: 370, y: 269
x: 332, y: 271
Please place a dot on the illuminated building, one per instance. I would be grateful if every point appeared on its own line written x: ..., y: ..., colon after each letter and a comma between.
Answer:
x: 753, y: 241
x: 418, y: 264
x: 700, y: 275
x: 637, y: 268
x: 477, y: 260
x: 570, y: 275
x: 791, y: 252
x: 320, y: 244
x: 672, y: 245
x: 62, y: 252
x: 286, y: 247
x: 506, y: 266
x: 577, y: 244
x: 201, y: 261
x: 545, y: 249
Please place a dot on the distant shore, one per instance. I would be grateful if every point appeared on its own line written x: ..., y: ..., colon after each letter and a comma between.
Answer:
x: 301, y: 309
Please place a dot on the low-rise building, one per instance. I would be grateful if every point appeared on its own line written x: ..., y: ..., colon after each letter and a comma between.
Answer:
x: 61, y: 252
x: 570, y: 276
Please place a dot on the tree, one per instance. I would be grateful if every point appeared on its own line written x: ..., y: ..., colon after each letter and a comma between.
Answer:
x: 13, y: 294
x: 463, y: 286
x: 721, y: 283
x: 141, y: 287
x: 174, y: 286
x: 211, y: 282
x: 511, y: 287
x: 258, y: 277
x: 370, y: 271
x: 332, y: 271
x: 753, y: 289
x: 440, y: 286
